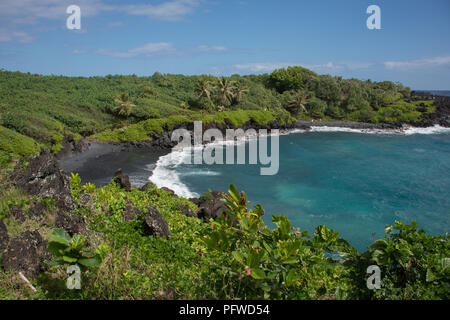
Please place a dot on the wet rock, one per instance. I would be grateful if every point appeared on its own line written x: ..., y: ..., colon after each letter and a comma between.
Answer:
x: 146, y: 186
x: 71, y: 222
x: 185, y: 210
x: 155, y: 224
x: 27, y: 254
x: 131, y: 213
x: 18, y: 214
x: 122, y: 179
x: 37, y: 210
x: 4, y: 238
x: 213, y: 207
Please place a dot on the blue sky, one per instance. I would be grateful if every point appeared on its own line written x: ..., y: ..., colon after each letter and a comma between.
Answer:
x: 226, y: 37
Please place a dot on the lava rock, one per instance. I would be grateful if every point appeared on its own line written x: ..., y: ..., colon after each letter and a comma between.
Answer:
x: 27, y: 254
x: 146, y: 186
x: 37, y: 210
x: 172, y: 193
x: 85, y: 200
x: 212, y: 208
x: 43, y: 179
x: 155, y: 224
x: 131, y: 213
x: 185, y: 210
x: 122, y: 179
x: 18, y: 214
x: 71, y: 222
x: 4, y: 238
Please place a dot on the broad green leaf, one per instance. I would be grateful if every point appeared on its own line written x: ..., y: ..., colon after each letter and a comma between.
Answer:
x: 90, y: 262
x: 61, y: 236
x: 69, y: 259
x: 258, y: 274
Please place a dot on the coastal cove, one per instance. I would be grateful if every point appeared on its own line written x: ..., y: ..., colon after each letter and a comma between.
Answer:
x: 355, y: 180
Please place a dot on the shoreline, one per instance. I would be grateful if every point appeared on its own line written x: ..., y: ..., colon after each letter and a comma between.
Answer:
x: 98, y: 161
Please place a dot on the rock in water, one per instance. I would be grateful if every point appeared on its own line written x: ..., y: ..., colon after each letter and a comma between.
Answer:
x: 155, y: 224
x: 122, y: 179
x: 4, y: 238
x: 27, y: 253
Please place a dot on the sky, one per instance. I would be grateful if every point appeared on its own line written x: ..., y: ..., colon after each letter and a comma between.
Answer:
x: 227, y: 37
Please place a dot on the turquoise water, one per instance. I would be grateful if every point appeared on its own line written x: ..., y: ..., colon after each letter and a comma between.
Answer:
x: 354, y: 183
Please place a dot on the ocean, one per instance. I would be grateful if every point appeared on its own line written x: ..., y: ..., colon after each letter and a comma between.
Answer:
x: 351, y: 181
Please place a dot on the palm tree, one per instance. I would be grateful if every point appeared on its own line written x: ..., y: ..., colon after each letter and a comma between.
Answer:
x: 298, y: 103
x: 123, y: 107
x: 226, y: 90
x: 239, y: 92
x: 205, y: 88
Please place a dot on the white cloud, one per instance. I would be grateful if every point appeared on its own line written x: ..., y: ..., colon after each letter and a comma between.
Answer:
x: 147, y: 50
x: 419, y: 63
x: 270, y: 66
x: 17, y: 14
x: 20, y: 36
x: 170, y: 11
x: 157, y: 48
x: 206, y: 48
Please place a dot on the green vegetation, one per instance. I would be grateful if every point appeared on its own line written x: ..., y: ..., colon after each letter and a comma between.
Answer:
x: 130, y: 108
x: 234, y: 257
x: 68, y: 250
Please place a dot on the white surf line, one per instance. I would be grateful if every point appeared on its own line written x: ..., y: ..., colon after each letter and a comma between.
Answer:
x: 165, y: 174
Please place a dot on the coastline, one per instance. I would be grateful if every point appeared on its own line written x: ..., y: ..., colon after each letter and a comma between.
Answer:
x: 96, y: 162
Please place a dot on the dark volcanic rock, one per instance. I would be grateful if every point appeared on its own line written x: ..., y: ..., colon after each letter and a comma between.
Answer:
x: 4, y: 238
x: 169, y: 191
x: 122, y: 179
x: 43, y: 179
x: 37, y: 210
x: 212, y: 208
x: 155, y: 224
x: 131, y: 213
x: 185, y: 210
x: 72, y: 223
x: 85, y: 200
x: 18, y: 213
x: 196, y: 201
x: 146, y: 186
x: 27, y: 254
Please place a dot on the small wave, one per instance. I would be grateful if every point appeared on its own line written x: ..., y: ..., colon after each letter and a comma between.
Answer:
x: 437, y: 129
x: 406, y: 131
x: 201, y: 173
x: 165, y: 174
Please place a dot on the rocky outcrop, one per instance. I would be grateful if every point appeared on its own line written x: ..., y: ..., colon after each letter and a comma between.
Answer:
x: 212, y: 207
x: 85, y: 200
x: 69, y: 146
x: 305, y: 125
x: 18, y: 214
x: 37, y: 210
x: 146, y: 186
x: 72, y: 223
x: 4, y: 238
x: 43, y: 179
x: 122, y: 179
x: 185, y: 210
x: 131, y: 213
x: 26, y: 254
x: 155, y: 224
